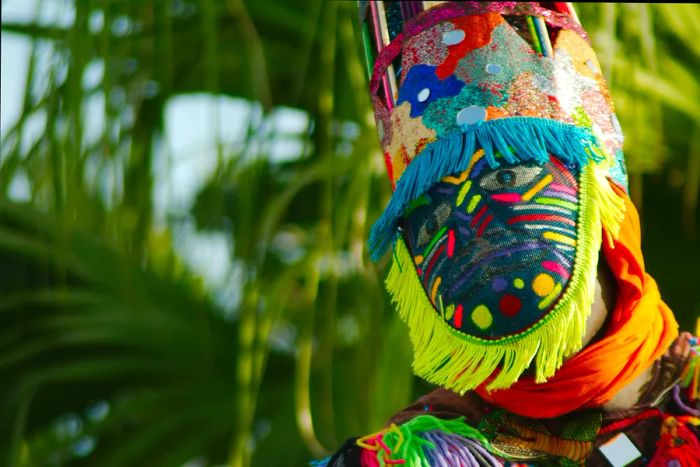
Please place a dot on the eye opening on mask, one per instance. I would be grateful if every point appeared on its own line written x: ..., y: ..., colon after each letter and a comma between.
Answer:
x: 509, y: 177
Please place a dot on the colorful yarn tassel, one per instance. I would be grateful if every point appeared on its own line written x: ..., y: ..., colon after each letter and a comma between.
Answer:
x: 677, y: 444
x: 460, y: 362
x: 516, y: 139
x: 427, y: 441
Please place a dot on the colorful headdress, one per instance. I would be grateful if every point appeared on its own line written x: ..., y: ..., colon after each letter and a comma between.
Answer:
x: 502, y: 146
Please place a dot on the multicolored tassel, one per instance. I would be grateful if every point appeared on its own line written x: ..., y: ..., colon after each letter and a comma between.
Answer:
x: 427, y: 441
x: 677, y: 444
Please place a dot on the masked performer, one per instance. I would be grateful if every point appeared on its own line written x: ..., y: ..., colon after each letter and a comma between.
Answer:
x: 516, y: 250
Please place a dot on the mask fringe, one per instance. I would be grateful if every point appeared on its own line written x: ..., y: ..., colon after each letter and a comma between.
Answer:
x: 516, y: 139
x: 610, y: 204
x: 460, y: 362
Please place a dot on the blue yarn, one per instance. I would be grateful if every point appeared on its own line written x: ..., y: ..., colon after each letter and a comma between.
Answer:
x: 453, y: 449
x: 320, y: 463
x: 517, y: 139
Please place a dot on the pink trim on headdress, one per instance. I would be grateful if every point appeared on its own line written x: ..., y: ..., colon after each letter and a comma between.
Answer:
x: 450, y: 11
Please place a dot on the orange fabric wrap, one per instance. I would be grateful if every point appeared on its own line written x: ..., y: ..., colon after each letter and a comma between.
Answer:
x: 640, y: 330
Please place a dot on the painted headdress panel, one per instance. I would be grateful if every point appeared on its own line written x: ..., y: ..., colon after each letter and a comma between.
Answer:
x: 502, y: 151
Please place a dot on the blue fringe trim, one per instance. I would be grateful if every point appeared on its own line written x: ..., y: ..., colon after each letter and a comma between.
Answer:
x: 517, y: 139
x: 320, y: 463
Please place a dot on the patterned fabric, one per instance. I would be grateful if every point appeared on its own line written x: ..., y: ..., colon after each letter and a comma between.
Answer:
x: 499, y: 244
x: 522, y: 438
x: 661, y: 428
x: 477, y: 68
x: 639, y: 329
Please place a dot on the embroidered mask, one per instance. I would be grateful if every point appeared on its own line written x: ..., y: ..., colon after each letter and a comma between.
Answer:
x: 490, y: 243
x: 502, y: 158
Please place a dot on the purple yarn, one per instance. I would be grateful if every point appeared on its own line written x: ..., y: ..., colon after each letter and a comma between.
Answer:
x: 482, y: 451
x: 454, y: 450
x: 681, y: 404
x: 448, y: 454
x: 441, y: 455
x: 465, y: 457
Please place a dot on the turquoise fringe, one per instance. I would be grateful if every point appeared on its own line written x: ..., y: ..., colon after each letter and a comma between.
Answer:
x: 517, y: 139
x: 321, y: 462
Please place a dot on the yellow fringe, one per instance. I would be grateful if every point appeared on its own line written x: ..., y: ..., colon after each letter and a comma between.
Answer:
x: 461, y: 362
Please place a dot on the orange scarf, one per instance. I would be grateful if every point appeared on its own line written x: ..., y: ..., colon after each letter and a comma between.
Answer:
x: 641, y: 328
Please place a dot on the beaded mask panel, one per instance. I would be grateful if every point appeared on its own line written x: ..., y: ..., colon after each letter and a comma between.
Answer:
x: 495, y: 248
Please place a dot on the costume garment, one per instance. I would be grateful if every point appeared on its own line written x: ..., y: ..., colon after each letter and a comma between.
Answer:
x: 505, y: 155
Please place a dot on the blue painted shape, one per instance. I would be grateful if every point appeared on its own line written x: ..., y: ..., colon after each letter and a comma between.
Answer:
x: 422, y: 77
x: 493, y: 68
x: 453, y: 37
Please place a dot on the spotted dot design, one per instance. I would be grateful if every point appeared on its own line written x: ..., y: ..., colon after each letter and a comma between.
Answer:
x: 543, y: 284
x: 510, y: 305
x: 499, y: 284
x: 423, y: 95
x: 482, y: 317
x: 495, y: 244
x: 470, y: 115
x: 493, y: 69
x: 453, y: 37
x: 421, y: 87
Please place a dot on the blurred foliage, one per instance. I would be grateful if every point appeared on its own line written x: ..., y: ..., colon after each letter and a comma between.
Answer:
x: 113, y: 351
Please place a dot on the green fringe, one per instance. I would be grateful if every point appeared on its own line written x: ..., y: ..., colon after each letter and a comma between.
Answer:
x: 461, y: 362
